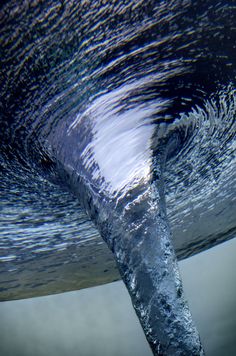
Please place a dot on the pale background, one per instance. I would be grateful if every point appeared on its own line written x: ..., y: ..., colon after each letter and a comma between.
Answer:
x: 101, y: 322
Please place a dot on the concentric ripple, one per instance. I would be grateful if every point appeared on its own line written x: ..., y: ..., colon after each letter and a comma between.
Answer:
x: 119, y: 114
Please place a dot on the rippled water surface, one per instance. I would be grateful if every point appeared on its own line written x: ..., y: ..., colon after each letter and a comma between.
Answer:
x: 117, y: 120
x: 64, y: 324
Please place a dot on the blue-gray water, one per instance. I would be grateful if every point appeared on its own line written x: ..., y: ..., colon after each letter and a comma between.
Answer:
x: 101, y: 322
x: 131, y: 106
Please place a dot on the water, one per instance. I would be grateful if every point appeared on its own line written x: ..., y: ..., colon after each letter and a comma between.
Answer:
x: 70, y: 323
x: 131, y: 108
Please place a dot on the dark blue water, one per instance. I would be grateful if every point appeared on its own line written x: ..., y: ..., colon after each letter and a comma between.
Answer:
x: 121, y: 115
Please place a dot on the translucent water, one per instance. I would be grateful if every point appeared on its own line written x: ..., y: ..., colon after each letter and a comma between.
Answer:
x: 119, y: 114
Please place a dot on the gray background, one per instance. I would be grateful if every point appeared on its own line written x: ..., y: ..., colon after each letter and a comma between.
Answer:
x: 101, y: 321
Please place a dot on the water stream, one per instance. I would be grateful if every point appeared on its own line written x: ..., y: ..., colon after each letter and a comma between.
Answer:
x: 119, y: 114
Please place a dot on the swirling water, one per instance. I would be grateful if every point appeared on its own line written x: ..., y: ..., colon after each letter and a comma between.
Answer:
x: 132, y: 106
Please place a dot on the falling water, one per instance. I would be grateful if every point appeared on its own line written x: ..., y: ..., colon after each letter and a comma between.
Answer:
x: 129, y: 106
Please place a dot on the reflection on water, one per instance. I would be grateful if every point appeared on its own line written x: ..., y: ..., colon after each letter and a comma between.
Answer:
x: 101, y: 96
x: 101, y: 321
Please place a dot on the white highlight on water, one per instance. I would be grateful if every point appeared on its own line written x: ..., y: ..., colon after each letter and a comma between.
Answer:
x: 122, y: 136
